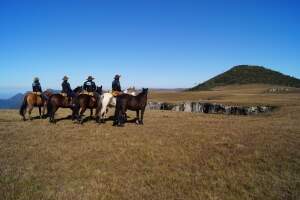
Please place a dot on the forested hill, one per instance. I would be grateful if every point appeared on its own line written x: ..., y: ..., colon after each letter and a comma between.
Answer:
x: 248, y: 74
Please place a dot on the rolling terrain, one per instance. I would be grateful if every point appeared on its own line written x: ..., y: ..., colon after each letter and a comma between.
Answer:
x: 175, y: 155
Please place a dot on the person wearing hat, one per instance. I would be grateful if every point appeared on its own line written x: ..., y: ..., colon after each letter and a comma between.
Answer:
x: 66, y: 88
x: 116, y: 86
x: 36, y: 88
x: 89, y: 85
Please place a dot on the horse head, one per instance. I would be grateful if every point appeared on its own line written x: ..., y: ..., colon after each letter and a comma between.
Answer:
x: 99, y: 90
x: 145, y: 90
x: 78, y: 89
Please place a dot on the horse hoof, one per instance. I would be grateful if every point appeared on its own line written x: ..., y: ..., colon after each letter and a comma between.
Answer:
x: 120, y: 125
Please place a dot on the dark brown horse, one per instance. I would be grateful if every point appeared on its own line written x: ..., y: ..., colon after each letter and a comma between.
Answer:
x: 86, y: 101
x: 32, y: 100
x: 57, y: 101
x: 128, y: 102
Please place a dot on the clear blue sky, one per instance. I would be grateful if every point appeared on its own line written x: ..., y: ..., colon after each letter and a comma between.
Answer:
x: 150, y: 43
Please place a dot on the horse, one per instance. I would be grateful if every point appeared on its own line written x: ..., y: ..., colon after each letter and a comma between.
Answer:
x: 57, y: 101
x: 109, y: 101
x: 128, y: 102
x: 31, y: 100
x: 84, y: 101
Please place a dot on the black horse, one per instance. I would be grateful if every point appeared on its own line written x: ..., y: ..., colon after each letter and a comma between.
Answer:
x: 57, y: 101
x: 128, y: 102
x: 86, y: 101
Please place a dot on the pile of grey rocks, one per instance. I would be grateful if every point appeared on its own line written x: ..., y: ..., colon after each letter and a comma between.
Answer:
x: 213, y: 108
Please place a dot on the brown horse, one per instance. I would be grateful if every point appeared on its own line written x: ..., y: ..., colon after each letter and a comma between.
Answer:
x: 86, y: 101
x: 129, y: 102
x: 32, y: 100
x: 57, y: 101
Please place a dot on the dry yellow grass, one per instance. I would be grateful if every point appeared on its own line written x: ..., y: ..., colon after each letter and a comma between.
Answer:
x: 173, y: 156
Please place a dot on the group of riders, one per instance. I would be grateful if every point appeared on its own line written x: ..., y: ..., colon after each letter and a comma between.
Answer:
x: 88, y: 96
x: 89, y: 87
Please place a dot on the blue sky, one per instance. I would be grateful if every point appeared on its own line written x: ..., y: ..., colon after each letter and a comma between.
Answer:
x: 151, y: 43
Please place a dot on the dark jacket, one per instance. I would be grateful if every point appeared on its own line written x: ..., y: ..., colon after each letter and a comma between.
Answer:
x: 116, y: 86
x: 66, y: 88
x: 89, y: 86
x: 36, y: 86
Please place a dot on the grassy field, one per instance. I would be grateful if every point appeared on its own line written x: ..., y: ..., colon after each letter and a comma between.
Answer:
x: 175, y: 155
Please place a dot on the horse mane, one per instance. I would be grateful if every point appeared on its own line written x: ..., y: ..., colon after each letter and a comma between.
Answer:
x: 77, y: 89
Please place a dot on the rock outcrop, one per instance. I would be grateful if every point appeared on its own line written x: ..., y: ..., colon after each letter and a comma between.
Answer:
x: 213, y: 108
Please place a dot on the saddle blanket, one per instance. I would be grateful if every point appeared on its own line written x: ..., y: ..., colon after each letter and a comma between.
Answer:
x: 88, y: 93
x: 116, y: 93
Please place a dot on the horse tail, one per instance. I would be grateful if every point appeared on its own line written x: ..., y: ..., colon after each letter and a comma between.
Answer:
x: 23, y: 106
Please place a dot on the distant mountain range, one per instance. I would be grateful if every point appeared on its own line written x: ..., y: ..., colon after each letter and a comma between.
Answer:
x: 241, y: 74
x: 13, y: 102
x: 16, y: 101
x: 248, y: 74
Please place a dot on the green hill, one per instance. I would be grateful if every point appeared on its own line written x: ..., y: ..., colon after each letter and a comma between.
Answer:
x: 248, y: 74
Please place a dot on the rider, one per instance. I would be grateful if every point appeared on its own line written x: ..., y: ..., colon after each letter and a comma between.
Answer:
x: 89, y: 85
x: 116, y: 86
x: 36, y: 88
x: 66, y: 88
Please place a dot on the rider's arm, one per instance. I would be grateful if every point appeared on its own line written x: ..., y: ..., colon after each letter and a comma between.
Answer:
x: 94, y: 86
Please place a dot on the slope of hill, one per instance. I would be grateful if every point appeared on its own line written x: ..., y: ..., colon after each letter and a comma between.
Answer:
x: 13, y: 102
x: 248, y: 74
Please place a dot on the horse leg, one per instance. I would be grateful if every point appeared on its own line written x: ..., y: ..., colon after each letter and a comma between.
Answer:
x: 137, y: 117
x: 52, y: 114
x: 43, y: 110
x: 91, y: 115
x: 40, y: 112
x: 103, y: 112
x: 142, y: 116
x: 24, y: 114
x: 30, y: 108
x: 83, y: 109
x: 122, y: 117
x: 74, y: 111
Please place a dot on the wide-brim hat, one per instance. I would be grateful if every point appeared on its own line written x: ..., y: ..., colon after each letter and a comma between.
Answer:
x: 90, y: 78
x: 65, y: 78
x: 36, y: 79
x: 117, y: 76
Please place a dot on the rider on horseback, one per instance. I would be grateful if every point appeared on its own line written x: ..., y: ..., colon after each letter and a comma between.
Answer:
x: 66, y: 88
x: 37, y: 89
x: 116, y: 86
x: 89, y: 85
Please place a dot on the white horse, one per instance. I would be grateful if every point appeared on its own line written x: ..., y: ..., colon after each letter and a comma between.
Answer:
x: 109, y: 101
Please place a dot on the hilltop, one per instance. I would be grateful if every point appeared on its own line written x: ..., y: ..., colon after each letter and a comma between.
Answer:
x: 248, y: 74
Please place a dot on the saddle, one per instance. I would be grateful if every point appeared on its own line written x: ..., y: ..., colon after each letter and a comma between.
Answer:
x: 67, y: 99
x: 116, y: 93
x: 88, y: 93
x: 37, y: 93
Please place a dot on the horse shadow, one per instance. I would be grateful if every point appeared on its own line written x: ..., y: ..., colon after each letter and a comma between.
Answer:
x: 63, y: 118
x: 37, y: 117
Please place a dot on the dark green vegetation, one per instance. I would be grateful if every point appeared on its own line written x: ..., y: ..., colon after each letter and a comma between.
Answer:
x: 246, y: 74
